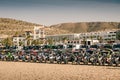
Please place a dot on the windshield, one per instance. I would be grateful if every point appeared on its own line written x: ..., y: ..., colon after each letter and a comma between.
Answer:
x: 54, y: 47
x: 83, y: 46
x: 60, y: 47
x: 93, y: 46
x: 108, y: 46
x: 116, y: 46
x: 70, y: 46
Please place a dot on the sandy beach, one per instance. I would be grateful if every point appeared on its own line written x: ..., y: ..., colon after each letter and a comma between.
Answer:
x: 38, y: 71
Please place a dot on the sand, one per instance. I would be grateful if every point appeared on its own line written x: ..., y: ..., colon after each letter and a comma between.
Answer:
x: 38, y: 71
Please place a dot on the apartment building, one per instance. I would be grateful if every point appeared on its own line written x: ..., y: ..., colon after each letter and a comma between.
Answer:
x: 107, y: 35
x: 18, y: 40
x: 39, y: 32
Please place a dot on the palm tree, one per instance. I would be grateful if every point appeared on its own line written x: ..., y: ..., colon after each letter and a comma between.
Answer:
x: 100, y: 39
x: 50, y: 41
x: 37, y: 42
x: 34, y: 42
x: 91, y: 37
x: 7, y: 42
x: 16, y: 34
x: 21, y: 43
x: 118, y: 35
x: 84, y: 40
x: 64, y: 39
x: 41, y: 41
x: 28, y: 39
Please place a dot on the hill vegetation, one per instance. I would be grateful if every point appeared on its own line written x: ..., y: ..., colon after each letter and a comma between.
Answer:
x: 11, y: 27
x: 87, y: 26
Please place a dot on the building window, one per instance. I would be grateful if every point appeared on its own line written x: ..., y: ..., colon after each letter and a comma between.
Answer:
x: 68, y: 41
x: 71, y: 41
x: 74, y: 41
x: 113, y: 35
x: 109, y: 35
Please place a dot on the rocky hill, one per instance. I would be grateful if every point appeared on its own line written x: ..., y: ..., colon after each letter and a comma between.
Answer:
x: 86, y: 26
x: 11, y: 27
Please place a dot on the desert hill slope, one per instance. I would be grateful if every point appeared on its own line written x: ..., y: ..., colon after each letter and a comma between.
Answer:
x: 87, y: 26
x: 11, y: 27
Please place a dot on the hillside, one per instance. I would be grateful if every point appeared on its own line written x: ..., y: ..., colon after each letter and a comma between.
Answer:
x: 86, y: 26
x: 12, y: 26
x: 9, y: 27
x: 53, y: 30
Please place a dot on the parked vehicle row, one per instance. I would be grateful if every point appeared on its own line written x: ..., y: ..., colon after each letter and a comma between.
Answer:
x: 94, y: 55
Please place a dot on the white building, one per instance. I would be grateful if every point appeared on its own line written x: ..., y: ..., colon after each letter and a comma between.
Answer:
x: 18, y: 40
x: 105, y: 35
x: 89, y: 36
x: 39, y: 32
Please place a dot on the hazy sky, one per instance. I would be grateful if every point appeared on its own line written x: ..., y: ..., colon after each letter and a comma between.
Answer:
x: 48, y: 12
